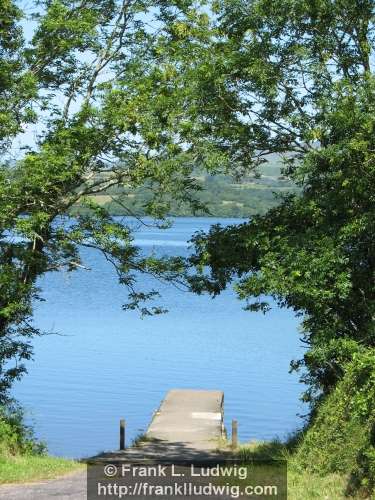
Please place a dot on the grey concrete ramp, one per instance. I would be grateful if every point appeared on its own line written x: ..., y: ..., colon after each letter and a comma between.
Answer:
x: 189, y: 416
x: 187, y: 427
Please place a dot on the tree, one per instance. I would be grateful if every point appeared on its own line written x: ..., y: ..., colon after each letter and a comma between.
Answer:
x: 86, y: 84
x: 17, y: 87
x: 296, y: 79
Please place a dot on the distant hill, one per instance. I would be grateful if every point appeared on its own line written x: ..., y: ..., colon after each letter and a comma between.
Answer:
x: 222, y: 195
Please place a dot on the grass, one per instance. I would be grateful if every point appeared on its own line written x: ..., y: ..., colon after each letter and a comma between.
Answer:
x: 302, y: 485
x: 305, y: 486
x: 28, y: 468
x: 140, y: 439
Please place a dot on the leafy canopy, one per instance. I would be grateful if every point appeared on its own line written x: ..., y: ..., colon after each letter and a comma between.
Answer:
x: 91, y: 84
x: 296, y: 78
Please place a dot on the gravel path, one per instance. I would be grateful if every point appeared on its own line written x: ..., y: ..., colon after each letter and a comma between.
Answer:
x: 72, y: 487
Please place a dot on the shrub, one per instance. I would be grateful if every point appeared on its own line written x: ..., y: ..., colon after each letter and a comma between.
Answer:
x: 17, y: 438
x: 341, y: 436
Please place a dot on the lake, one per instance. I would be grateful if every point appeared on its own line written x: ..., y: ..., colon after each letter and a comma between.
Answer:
x: 104, y: 364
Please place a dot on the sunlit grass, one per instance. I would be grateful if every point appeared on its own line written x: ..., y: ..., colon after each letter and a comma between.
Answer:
x: 35, y: 467
x: 302, y: 485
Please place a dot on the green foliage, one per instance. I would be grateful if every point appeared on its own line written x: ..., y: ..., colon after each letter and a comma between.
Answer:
x: 22, y: 457
x: 17, y: 83
x: 314, y: 252
x: 92, y: 79
x: 341, y: 437
x: 298, y: 81
x: 133, y: 96
x: 16, y: 438
x: 296, y: 78
x: 302, y: 483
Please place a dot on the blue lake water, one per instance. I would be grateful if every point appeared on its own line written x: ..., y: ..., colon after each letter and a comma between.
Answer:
x: 107, y: 364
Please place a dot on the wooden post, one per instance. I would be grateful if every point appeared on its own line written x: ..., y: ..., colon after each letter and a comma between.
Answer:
x: 234, y: 434
x: 122, y: 434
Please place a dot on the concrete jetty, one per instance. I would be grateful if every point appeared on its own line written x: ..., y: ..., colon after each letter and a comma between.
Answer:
x: 188, y: 426
x: 191, y: 417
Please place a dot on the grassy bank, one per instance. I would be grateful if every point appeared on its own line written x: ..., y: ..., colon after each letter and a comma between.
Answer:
x: 302, y: 484
x: 305, y: 486
x: 28, y: 468
x: 22, y: 457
